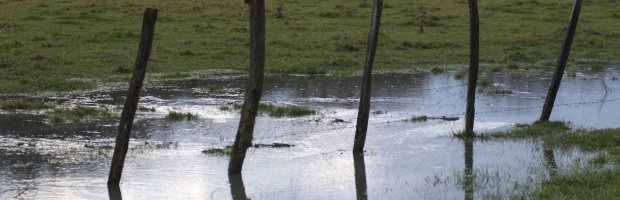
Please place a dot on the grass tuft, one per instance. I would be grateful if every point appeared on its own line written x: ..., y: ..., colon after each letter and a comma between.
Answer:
x: 77, y: 114
x: 178, y: 116
x: 25, y: 105
x: 218, y: 151
x: 276, y: 111
x: 419, y: 118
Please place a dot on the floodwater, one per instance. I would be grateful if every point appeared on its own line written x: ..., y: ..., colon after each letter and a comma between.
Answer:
x: 403, y: 159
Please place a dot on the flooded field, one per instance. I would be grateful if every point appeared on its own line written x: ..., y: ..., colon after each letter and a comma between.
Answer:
x: 403, y: 159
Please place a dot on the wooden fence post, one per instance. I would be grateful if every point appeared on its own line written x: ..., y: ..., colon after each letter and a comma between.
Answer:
x: 254, y: 90
x: 131, y: 103
x: 364, y: 107
x: 561, y: 63
x: 474, y: 49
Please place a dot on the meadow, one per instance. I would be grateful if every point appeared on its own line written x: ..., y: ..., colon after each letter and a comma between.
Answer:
x: 60, y: 45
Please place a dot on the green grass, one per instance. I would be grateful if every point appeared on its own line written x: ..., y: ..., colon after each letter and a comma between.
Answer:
x: 495, y: 91
x: 419, y: 118
x: 277, y: 111
x: 59, y: 45
x: 146, y: 109
x: 178, y: 116
x: 218, y: 151
x: 460, y: 74
x: 597, y: 183
x: 77, y: 114
x: 25, y: 105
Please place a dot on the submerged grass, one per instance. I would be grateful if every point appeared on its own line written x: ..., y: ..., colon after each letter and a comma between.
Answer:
x: 218, y: 151
x: 598, y: 183
x: 59, y: 45
x: 25, y: 105
x: 227, y: 150
x: 419, y: 118
x: 77, y: 114
x: 179, y: 116
x: 277, y: 111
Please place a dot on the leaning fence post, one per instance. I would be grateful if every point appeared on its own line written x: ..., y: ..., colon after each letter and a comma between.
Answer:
x: 254, y: 90
x: 131, y: 103
x: 561, y: 63
x: 474, y: 48
x: 364, y: 107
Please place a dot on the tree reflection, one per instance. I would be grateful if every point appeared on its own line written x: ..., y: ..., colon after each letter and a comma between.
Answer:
x: 115, y: 192
x: 360, y: 176
x: 237, y: 190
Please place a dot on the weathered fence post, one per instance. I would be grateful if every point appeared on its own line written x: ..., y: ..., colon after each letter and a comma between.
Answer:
x: 561, y: 63
x: 131, y: 103
x: 364, y: 107
x: 254, y: 89
x: 474, y: 49
x: 360, y: 176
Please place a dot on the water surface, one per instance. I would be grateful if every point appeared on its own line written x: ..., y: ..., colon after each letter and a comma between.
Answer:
x: 403, y: 160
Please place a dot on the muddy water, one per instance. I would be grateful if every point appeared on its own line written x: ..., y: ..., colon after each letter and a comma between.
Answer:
x: 403, y: 160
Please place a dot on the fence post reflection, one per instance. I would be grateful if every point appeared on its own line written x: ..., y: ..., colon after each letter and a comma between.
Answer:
x: 115, y: 192
x: 237, y: 189
x: 469, y: 168
x: 552, y: 166
x: 360, y: 176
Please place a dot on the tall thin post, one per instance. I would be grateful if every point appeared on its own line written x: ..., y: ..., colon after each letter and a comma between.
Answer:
x: 364, y: 107
x: 254, y: 90
x: 474, y: 48
x: 561, y: 63
x: 131, y: 103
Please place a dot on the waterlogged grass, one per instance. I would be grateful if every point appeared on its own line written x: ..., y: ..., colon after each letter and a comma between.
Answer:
x: 59, y: 45
x: 495, y: 91
x: 25, y: 105
x: 218, y: 151
x: 226, y: 150
x: 596, y: 183
x: 419, y: 118
x: 179, y: 116
x: 77, y: 114
x: 536, y: 130
x: 277, y: 111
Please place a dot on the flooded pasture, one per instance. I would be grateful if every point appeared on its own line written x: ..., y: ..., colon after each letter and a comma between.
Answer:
x: 403, y: 159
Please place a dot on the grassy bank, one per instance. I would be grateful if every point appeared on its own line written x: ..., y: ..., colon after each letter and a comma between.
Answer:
x: 601, y: 180
x: 74, y: 45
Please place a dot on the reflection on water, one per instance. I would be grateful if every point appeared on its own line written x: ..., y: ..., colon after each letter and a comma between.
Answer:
x: 550, y: 160
x: 114, y: 192
x: 237, y: 190
x: 404, y: 160
x: 468, y: 187
x: 360, y: 176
